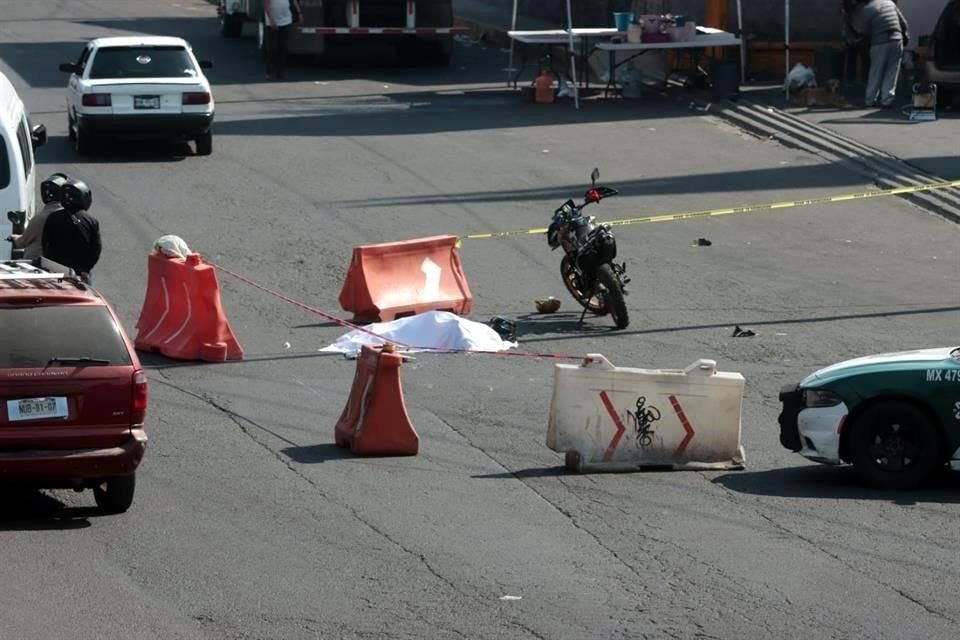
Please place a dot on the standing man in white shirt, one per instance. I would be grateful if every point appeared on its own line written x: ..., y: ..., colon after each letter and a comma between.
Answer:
x: 280, y: 16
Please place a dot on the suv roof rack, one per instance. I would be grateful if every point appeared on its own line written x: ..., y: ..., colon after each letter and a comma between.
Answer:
x: 37, y: 269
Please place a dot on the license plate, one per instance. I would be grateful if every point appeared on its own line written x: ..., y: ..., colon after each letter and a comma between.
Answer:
x: 146, y: 102
x: 36, y: 408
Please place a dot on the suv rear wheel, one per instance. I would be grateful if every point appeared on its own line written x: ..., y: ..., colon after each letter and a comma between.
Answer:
x: 115, y: 495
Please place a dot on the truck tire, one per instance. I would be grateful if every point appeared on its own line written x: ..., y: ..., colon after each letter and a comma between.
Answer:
x: 231, y: 26
x: 443, y: 51
x: 436, y: 14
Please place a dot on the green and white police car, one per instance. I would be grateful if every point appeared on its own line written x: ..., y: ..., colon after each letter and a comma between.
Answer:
x: 894, y: 416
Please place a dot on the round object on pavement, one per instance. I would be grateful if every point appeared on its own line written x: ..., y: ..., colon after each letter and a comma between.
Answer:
x: 548, y: 305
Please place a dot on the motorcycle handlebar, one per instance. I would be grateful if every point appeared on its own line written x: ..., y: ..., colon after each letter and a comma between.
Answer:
x: 594, y: 194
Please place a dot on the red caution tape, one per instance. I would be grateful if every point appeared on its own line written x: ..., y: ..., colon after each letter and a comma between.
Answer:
x: 350, y: 325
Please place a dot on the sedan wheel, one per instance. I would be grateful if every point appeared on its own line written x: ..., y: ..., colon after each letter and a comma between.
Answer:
x: 82, y: 142
x: 204, y: 144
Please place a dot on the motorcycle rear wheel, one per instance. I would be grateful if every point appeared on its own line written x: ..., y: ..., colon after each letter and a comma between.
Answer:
x: 613, y: 296
x: 595, y: 304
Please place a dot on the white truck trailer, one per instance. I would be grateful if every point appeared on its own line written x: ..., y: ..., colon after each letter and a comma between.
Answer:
x: 427, y: 24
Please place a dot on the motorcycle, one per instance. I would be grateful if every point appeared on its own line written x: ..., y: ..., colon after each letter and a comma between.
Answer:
x: 588, y: 269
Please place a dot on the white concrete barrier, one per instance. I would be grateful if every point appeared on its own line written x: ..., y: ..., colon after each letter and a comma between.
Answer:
x: 616, y: 417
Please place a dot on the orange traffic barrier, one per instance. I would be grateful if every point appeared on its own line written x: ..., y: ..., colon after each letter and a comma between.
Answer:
x: 182, y: 316
x: 375, y: 420
x: 397, y: 279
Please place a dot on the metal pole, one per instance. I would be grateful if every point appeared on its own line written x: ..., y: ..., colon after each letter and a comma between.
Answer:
x: 573, y: 55
x: 743, y: 44
x: 786, y: 43
x: 513, y: 27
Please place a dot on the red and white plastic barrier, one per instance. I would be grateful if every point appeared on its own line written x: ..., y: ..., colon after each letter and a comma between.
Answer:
x: 182, y: 316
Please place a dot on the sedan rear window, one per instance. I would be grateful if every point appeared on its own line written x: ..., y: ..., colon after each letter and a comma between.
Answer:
x: 31, y: 336
x: 142, y: 62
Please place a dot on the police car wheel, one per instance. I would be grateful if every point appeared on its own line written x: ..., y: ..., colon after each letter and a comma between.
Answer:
x: 895, y: 446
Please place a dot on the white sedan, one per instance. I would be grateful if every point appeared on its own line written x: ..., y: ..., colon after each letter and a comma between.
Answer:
x: 139, y: 87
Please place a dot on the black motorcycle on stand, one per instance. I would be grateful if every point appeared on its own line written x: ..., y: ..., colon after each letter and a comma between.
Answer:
x: 587, y: 269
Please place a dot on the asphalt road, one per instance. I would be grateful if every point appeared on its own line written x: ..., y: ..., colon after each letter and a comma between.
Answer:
x: 249, y: 523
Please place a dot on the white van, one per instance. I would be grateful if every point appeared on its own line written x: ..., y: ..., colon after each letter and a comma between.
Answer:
x: 18, y: 180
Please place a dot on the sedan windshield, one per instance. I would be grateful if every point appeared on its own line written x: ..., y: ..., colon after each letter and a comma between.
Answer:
x: 142, y: 62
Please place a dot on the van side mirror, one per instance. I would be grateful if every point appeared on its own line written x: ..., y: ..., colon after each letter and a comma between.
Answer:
x: 206, y: 64
x: 38, y: 135
x: 68, y: 67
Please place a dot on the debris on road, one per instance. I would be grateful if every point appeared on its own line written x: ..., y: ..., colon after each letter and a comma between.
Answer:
x: 702, y: 242
x: 507, y: 329
x: 743, y: 333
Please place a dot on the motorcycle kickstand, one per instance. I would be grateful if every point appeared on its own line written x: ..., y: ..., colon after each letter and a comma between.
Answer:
x: 592, y: 293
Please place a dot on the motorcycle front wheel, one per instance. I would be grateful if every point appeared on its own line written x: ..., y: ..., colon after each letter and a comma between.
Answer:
x: 613, y: 296
x: 595, y: 304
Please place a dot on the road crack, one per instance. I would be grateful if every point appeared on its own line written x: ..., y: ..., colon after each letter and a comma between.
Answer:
x: 244, y: 423
x: 832, y: 555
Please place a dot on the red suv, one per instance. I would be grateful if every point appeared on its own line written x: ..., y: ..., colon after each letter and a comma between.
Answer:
x: 73, y: 395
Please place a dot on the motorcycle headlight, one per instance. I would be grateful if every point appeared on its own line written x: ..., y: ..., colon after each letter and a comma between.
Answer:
x: 820, y: 398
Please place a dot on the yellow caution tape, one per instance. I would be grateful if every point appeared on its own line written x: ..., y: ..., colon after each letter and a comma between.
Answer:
x: 669, y: 217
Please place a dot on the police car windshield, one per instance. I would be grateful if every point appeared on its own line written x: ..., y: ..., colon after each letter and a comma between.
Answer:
x: 142, y: 62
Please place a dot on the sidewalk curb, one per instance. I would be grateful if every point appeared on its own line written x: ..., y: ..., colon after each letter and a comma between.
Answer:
x: 883, y: 169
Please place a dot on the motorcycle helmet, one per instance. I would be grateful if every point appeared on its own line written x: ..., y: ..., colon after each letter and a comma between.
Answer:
x: 547, y: 305
x: 76, y: 195
x: 51, y: 189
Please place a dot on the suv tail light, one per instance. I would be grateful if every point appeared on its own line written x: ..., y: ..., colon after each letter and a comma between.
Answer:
x: 96, y: 100
x: 196, y: 97
x: 138, y: 404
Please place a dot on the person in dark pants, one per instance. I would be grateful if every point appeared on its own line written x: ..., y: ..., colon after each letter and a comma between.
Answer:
x: 280, y: 16
x: 71, y: 236
x: 856, y: 48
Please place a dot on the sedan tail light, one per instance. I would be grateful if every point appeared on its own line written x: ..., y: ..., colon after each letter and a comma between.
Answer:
x: 196, y: 97
x: 96, y: 100
x: 138, y: 403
